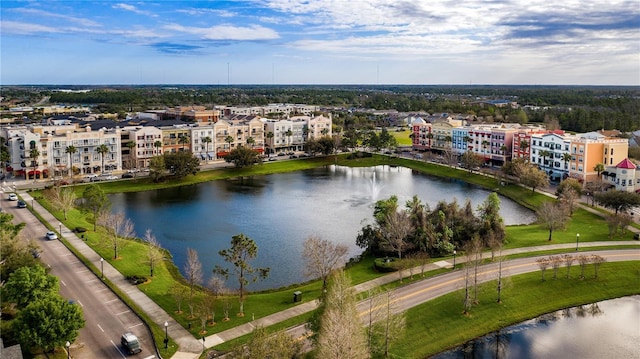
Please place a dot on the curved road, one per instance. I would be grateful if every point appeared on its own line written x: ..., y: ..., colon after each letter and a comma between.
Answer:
x: 107, y: 317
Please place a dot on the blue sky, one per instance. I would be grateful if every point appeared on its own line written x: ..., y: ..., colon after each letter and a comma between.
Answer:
x: 320, y: 42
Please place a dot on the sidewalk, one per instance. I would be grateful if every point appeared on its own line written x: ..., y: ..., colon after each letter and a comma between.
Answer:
x: 191, y: 348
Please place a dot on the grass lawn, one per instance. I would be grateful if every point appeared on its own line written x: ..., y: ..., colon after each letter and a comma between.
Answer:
x: 132, y: 258
x: 439, y: 324
x: 402, y: 137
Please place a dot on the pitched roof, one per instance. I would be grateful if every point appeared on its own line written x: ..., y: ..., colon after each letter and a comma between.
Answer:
x: 626, y: 164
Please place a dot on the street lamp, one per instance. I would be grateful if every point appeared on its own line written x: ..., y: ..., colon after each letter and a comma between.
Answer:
x: 166, y: 335
x: 577, y: 240
x: 68, y: 345
x: 60, y: 228
x: 102, y: 267
x: 454, y: 259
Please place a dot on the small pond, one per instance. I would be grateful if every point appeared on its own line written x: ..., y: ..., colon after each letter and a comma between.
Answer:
x: 279, y: 211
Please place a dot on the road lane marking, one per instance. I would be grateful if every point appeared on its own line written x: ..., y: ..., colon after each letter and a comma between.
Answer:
x: 63, y: 283
x: 125, y: 312
x: 137, y: 325
x: 150, y: 357
x: 111, y: 301
x: 100, y: 327
x: 79, y: 302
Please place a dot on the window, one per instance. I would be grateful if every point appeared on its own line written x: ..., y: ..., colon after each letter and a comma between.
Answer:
x: 624, y: 182
x: 612, y: 152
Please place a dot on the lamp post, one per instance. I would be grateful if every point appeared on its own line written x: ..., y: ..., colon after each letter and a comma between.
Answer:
x: 60, y: 228
x: 454, y: 259
x: 68, y: 345
x: 166, y: 335
x: 577, y: 240
x: 101, y: 267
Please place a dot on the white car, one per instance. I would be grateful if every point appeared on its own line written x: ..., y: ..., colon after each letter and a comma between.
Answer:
x: 13, y: 197
x: 51, y: 236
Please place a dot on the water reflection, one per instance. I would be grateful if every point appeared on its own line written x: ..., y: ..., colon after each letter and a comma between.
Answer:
x: 599, y: 330
x: 279, y: 211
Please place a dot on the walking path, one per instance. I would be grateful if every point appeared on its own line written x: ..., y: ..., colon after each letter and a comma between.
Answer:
x: 190, y: 347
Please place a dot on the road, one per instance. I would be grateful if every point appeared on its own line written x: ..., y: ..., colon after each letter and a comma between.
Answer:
x: 107, y: 317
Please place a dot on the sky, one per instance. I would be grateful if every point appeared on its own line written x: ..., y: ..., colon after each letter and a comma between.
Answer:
x: 280, y: 42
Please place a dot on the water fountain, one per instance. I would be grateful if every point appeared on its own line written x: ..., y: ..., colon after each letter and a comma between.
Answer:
x: 375, y: 188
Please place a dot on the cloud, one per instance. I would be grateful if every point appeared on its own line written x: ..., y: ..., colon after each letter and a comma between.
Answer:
x: 23, y: 28
x: 133, y: 9
x: 227, y: 32
x: 207, y: 12
x: 42, y: 13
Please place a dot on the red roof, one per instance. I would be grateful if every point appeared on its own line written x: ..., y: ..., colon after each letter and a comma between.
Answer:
x: 626, y: 164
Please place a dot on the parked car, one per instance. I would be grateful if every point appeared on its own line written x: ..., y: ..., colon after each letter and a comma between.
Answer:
x: 21, y: 204
x: 127, y: 175
x: 130, y: 343
x: 13, y: 197
x: 51, y: 236
x: 35, y: 253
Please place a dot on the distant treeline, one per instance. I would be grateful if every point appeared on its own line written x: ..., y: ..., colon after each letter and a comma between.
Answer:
x: 574, y: 108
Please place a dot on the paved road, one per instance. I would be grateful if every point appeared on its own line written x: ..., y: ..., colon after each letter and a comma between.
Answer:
x: 106, y: 316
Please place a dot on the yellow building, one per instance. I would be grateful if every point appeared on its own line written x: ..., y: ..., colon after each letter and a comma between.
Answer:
x: 589, y: 149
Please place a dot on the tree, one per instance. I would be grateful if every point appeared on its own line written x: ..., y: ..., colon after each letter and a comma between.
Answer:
x: 61, y: 198
x: 207, y: 140
x: 263, y: 344
x: 193, y: 273
x: 385, y: 326
x: 524, y: 145
x: 157, y: 168
x: 131, y: 145
x: 103, y: 149
x: 568, y: 261
x: 322, y: 257
x: 552, y: 216
x: 543, y: 264
x: 566, y: 157
x: 29, y: 284
x: 183, y: 140
x: 597, y: 262
x: 118, y: 228
x: 181, y: 164
x: 94, y: 200
x: 531, y: 176
x: 340, y: 334
x: 395, y: 231
x: 48, y: 322
x: 492, y: 227
x: 229, y: 140
x: 583, y: 260
x: 544, y: 154
x: 242, y: 157
x: 178, y: 292
x: 34, y: 153
x: 618, y: 201
x: 599, y: 167
x: 70, y: 150
x: 154, y: 251
x: 157, y: 144
x: 243, y: 249
x: 470, y: 160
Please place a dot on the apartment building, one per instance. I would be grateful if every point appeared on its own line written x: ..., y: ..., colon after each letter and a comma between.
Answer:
x: 624, y: 176
x: 589, y: 149
x: 550, y: 151
x: 139, y: 145
x: 192, y: 114
x: 176, y: 138
x: 240, y: 131
x: 422, y: 134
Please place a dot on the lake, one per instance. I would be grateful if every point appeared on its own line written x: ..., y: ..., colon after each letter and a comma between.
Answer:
x: 279, y: 211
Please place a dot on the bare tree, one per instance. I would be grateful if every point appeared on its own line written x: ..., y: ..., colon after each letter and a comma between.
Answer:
x: 215, y: 288
x: 552, y: 216
x: 583, y: 260
x: 543, y: 264
x: 63, y: 198
x: 499, y: 286
x: 322, y: 257
x: 556, y: 262
x: 193, y: 273
x: 179, y: 292
x: 341, y: 334
x: 154, y: 251
x: 597, y: 262
x: 386, y: 325
x: 118, y: 228
x: 263, y: 344
x: 396, y: 229
x: 568, y: 261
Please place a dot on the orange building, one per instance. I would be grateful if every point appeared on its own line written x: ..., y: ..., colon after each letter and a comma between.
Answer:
x: 589, y: 149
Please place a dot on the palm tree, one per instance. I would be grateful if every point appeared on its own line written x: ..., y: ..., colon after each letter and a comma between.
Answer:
x: 207, y: 140
x: 102, y: 150
x: 544, y: 154
x: 157, y: 144
x: 447, y: 140
x: 485, y: 143
x: 251, y: 141
x: 269, y: 139
x: 131, y: 145
x: 183, y: 140
x: 289, y: 133
x: 599, y: 168
x: 566, y: 157
x: 34, y: 153
x: 229, y: 140
x: 70, y: 150
x: 524, y: 145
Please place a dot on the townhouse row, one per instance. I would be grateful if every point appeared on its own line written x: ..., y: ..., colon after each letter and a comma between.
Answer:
x: 60, y: 146
x: 559, y: 154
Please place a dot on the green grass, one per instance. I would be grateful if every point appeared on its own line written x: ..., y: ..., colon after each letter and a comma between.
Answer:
x: 440, y: 324
x: 402, y: 137
x: 132, y: 258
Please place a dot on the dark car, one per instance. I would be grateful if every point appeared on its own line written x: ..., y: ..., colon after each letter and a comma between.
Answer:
x: 22, y: 204
x: 127, y: 175
x: 130, y: 343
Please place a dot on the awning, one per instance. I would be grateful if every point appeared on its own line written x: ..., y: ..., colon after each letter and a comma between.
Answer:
x: 605, y: 173
x: 211, y: 155
x: 202, y: 156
